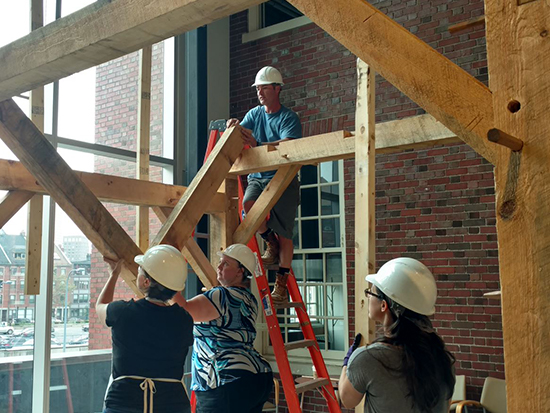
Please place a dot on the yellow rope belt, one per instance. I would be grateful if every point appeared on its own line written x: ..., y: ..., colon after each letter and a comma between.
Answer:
x: 149, y: 384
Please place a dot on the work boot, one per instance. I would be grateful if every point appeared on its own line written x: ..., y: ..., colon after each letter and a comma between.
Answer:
x: 280, y: 292
x: 271, y: 254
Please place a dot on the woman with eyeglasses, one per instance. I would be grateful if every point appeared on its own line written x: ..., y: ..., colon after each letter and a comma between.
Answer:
x: 228, y: 374
x: 407, y: 369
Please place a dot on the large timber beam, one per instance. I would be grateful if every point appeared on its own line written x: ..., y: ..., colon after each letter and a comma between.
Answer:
x: 415, y: 132
x: 102, y: 31
x: 267, y: 200
x: 35, y: 152
x: 193, y: 254
x: 447, y: 92
x: 108, y: 188
x: 184, y: 218
x: 518, y: 48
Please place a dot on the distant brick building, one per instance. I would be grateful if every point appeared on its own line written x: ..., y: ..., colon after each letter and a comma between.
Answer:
x: 14, y: 304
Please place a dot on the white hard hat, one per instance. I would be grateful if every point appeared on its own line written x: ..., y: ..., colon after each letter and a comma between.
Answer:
x: 243, y: 254
x: 408, y: 282
x: 166, y: 265
x: 268, y: 75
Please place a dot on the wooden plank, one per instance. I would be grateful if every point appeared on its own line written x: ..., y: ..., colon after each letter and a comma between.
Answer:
x: 223, y: 225
x: 447, y: 92
x: 102, y: 31
x: 519, y: 58
x: 108, y: 188
x: 264, y: 203
x: 365, y: 218
x: 79, y: 203
x: 33, y: 258
x: 185, y: 216
x: 421, y: 131
x: 34, y: 245
x: 193, y: 254
x: 144, y: 118
x: 12, y: 202
x: 202, y: 266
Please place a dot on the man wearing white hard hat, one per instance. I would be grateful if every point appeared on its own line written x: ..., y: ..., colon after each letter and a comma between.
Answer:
x: 407, y: 369
x: 151, y: 337
x: 228, y: 374
x: 270, y: 123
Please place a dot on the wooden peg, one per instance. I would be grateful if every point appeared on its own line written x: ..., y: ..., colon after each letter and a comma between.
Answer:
x: 502, y: 138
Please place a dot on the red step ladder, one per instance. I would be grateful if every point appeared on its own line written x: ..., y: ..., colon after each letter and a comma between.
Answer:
x: 291, y: 390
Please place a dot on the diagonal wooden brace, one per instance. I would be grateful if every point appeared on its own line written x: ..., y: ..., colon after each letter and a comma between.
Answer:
x: 193, y: 254
x: 41, y: 159
x: 264, y: 203
x: 186, y: 214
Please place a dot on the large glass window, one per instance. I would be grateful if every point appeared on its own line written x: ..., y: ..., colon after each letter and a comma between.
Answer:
x: 92, y: 119
x: 319, y: 257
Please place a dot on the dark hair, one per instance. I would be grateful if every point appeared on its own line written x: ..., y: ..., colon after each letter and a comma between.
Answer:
x: 247, y: 275
x: 426, y: 363
x: 157, y: 290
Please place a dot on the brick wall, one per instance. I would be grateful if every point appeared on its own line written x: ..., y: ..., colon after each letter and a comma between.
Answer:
x: 116, y: 126
x: 436, y: 205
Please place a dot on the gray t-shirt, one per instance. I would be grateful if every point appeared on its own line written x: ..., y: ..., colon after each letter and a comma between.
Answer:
x: 386, y: 390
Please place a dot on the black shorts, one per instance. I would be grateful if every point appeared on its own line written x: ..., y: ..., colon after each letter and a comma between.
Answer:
x: 244, y: 395
x: 283, y: 214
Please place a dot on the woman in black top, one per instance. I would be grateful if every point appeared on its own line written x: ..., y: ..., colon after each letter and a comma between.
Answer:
x: 150, y: 337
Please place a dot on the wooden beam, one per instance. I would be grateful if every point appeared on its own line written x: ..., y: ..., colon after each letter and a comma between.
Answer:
x: 12, y: 202
x: 201, y: 265
x: 186, y: 215
x: 78, y: 202
x: 269, y: 197
x: 193, y: 254
x: 100, y: 32
x: 223, y: 225
x: 415, y: 132
x: 365, y: 218
x: 108, y: 188
x: 447, y: 92
x: 518, y: 53
x: 144, y: 118
x: 33, y: 259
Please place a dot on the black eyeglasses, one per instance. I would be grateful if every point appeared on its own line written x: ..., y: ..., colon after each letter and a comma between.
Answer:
x: 369, y: 292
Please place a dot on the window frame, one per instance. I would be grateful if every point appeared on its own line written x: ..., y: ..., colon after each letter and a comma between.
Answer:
x: 255, y: 31
x: 300, y: 358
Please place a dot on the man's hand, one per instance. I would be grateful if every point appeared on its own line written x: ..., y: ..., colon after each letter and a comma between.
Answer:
x: 232, y: 122
x: 248, y: 138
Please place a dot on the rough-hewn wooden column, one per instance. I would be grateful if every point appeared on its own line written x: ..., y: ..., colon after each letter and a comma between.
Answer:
x: 518, y: 45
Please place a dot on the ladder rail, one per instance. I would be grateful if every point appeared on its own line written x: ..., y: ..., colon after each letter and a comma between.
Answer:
x: 270, y: 312
x: 287, y: 378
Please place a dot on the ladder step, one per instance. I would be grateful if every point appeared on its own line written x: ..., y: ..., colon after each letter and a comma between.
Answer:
x: 287, y: 305
x: 312, y: 384
x: 299, y: 344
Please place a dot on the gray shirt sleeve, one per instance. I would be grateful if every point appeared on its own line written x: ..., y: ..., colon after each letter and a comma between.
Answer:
x: 359, y: 369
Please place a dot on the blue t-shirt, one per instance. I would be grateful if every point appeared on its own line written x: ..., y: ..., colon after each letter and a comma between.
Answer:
x: 271, y: 127
x: 224, y: 347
